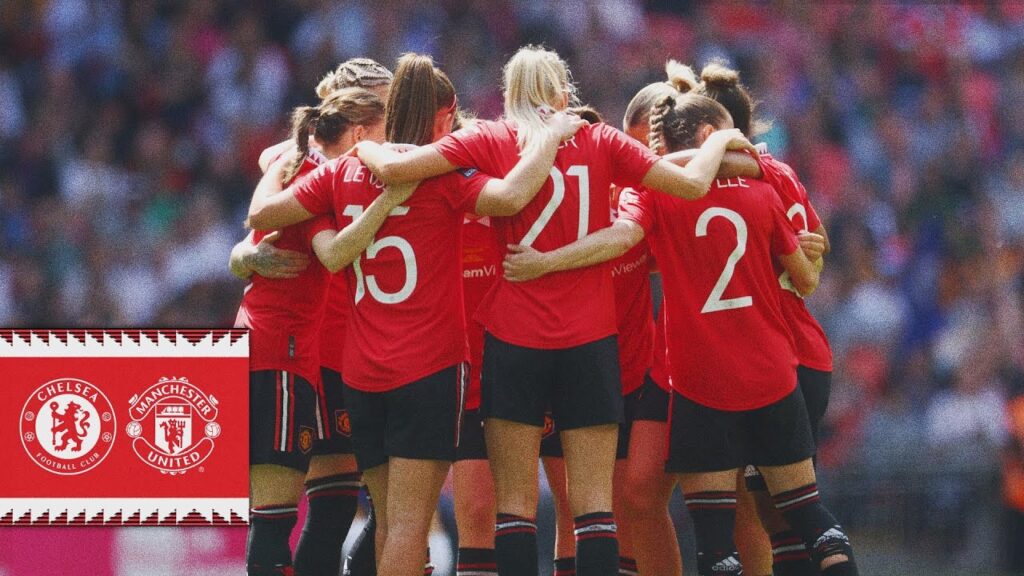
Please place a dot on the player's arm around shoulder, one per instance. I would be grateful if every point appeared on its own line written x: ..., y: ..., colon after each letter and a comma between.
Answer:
x: 523, y: 263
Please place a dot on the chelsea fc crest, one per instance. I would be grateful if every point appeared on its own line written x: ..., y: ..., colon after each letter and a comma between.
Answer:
x: 173, y: 425
x: 67, y: 426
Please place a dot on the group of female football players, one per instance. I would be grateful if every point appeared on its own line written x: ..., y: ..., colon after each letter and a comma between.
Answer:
x: 482, y: 296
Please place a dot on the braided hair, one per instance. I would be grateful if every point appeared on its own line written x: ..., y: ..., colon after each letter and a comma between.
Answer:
x: 676, y: 119
x: 355, y: 72
x: 329, y: 120
x: 680, y: 79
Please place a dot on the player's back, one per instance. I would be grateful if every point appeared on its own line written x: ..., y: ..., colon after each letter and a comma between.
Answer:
x: 405, y: 290
x: 729, y: 345
x: 562, y: 309
x: 284, y: 327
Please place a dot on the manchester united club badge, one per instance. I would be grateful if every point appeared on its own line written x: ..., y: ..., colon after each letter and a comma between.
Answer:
x: 174, y: 425
x: 68, y: 426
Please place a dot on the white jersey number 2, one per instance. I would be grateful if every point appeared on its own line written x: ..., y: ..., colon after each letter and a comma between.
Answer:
x: 715, y: 302
x: 558, y: 183
x: 402, y: 245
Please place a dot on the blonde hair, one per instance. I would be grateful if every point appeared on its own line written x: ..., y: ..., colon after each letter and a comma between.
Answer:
x: 534, y: 78
x: 680, y: 80
x: 354, y: 72
x: 330, y: 120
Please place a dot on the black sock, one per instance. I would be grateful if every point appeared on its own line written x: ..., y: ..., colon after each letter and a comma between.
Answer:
x: 515, y: 545
x: 565, y: 566
x: 476, y: 561
x: 790, y: 556
x: 332, y: 505
x: 714, y: 516
x: 818, y: 529
x: 362, y: 558
x: 267, y: 546
x: 627, y: 566
x: 597, y: 548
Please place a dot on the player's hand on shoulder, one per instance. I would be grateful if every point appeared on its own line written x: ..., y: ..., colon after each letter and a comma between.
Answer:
x: 271, y: 262
x: 399, y: 147
x: 564, y: 124
x: 523, y: 263
x: 734, y: 139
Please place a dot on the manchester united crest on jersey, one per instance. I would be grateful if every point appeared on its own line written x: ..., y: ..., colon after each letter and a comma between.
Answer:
x: 67, y: 426
x: 173, y: 425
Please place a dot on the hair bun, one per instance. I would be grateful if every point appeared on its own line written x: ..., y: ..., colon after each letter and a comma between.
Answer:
x: 717, y: 74
x: 681, y: 76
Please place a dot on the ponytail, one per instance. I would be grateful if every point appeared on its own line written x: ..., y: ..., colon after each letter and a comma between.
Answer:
x: 535, y: 78
x: 329, y: 121
x: 658, y: 114
x: 303, y: 119
x: 418, y: 91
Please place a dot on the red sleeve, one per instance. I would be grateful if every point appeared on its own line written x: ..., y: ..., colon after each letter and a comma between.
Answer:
x: 460, y: 147
x: 315, y: 190
x: 783, y: 178
x: 813, y: 220
x: 469, y: 182
x: 318, y: 225
x: 630, y: 160
x: 784, y: 240
x: 638, y: 206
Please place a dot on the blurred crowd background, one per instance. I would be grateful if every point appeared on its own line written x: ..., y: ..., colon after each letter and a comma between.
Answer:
x: 129, y: 133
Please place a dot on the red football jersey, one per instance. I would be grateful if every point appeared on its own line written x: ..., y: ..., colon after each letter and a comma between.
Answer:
x: 729, y: 346
x: 634, y: 313
x: 481, y: 267
x: 284, y: 328
x: 812, y: 349
x: 563, y: 309
x: 659, y: 362
x: 405, y: 291
x: 332, y: 328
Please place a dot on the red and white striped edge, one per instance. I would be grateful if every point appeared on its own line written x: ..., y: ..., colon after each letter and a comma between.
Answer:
x: 124, y: 511
x: 124, y: 343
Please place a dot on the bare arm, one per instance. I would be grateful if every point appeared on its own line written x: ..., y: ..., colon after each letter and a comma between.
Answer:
x: 273, y: 208
x: 270, y: 153
x: 693, y: 180
x: 336, y: 250
x: 264, y: 259
x: 733, y: 163
x: 509, y: 195
x: 524, y: 263
x: 803, y: 274
x: 391, y: 167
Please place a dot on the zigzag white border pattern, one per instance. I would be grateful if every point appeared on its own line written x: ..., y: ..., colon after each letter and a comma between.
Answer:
x: 124, y: 343
x: 124, y: 511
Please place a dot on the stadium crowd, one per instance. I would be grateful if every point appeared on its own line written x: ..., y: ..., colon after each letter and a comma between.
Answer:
x: 129, y: 134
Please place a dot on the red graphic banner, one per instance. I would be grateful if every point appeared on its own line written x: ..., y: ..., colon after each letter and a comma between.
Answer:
x: 124, y: 427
